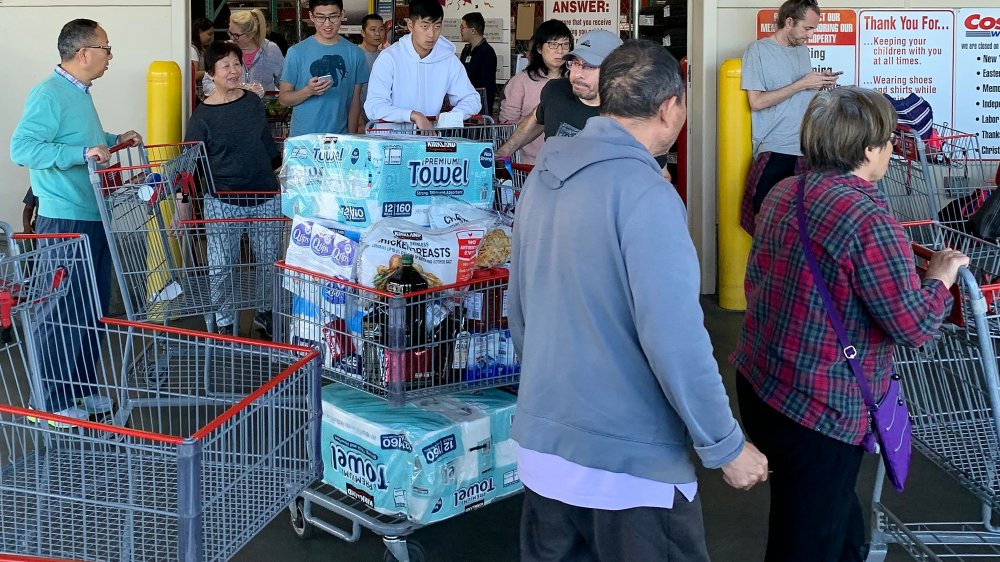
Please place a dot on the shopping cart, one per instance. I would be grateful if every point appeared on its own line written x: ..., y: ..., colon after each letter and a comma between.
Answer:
x: 400, y: 348
x: 206, y: 438
x: 177, y: 246
x: 953, y: 391
x: 943, y: 178
x: 479, y: 128
x: 367, y: 340
x: 279, y: 118
x: 509, y: 182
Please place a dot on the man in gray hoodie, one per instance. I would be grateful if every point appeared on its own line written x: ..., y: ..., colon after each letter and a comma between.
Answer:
x: 618, y: 377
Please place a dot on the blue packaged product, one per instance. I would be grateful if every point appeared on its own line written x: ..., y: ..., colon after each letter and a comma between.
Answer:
x: 427, y: 460
x: 491, y: 355
x: 358, y: 180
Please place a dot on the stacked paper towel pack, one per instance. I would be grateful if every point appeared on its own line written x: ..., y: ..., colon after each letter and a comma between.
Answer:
x: 428, y: 460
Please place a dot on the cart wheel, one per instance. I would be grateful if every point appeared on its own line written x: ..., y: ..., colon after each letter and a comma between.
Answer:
x: 303, y: 529
x: 413, y: 550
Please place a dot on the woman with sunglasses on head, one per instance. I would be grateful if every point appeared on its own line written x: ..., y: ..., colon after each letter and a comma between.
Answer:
x: 262, y: 59
x: 551, y: 41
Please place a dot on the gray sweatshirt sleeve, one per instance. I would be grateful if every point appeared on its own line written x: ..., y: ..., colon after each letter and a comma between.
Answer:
x: 664, y: 279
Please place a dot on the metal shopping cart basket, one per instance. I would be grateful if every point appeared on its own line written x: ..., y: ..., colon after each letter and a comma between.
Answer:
x: 177, y: 245
x: 951, y: 385
x: 943, y: 178
x: 205, y: 440
x: 366, y: 340
x: 279, y: 118
x: 509, y: 182
x: 479, y: 128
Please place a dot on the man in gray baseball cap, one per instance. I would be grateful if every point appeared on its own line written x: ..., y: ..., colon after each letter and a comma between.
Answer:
x: 566, y: 103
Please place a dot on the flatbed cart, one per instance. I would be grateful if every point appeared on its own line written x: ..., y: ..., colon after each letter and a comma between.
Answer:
x: 166, y: 236
x: 952, y: 387
x: 207, y: 439
x: 310, y: 310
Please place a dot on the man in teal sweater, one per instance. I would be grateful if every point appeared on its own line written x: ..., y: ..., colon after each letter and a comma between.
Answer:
x: 58, y: 133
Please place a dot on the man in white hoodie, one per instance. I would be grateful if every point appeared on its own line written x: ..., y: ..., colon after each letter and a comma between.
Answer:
x: 411, y: 78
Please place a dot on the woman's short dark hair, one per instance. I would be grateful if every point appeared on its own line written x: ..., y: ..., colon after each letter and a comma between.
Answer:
x: 197, y: 27
x: 218, y: 51
x: 75, y: 35
x: 637, y: 78
x: 841, y: 123
x: 796, y: 9
x: 550, y: 30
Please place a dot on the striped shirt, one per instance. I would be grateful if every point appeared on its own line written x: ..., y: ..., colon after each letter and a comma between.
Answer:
x: 787, y: 349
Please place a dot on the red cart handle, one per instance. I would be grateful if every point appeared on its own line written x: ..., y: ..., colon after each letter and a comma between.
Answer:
x: 6, y: 307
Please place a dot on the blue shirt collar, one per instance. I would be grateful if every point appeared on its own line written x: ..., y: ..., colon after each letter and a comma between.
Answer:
x: 72, y: 79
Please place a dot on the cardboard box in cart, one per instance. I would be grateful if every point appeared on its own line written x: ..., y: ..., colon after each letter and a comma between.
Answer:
x: 357, y: 180
x: 428, y: 460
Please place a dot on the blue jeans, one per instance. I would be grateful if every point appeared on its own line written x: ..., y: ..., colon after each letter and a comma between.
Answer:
x: 67, y: 340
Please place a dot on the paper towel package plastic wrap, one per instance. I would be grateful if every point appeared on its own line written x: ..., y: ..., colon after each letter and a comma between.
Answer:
x: 357, y: 180
x: 427, y: 460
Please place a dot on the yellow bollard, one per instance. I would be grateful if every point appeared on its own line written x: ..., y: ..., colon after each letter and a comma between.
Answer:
x: 734, y: 158
x: 163, y: 103
x: 163, y: 126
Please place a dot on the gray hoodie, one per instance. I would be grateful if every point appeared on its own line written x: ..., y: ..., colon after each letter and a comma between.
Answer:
x: 617, y: 367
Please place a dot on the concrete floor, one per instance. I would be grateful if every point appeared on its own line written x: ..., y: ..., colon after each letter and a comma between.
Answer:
x: 736, y: 522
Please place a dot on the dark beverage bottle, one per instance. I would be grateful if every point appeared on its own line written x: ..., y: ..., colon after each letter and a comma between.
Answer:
x: 415, y: 358
x: 405, y: 280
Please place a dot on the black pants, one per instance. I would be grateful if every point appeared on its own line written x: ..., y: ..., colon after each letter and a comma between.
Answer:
x: 779, y: 166
x: 815, y: 514
x: 552, y: 531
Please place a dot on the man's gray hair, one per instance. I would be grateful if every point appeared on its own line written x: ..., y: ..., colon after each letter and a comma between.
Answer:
x: 75, y: 35
x: 637, y: 78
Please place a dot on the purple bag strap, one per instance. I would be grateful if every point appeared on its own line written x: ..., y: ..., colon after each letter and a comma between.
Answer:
x: 850, y: 352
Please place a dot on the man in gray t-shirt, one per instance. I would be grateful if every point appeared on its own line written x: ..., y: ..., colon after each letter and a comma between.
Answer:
x: 372, y: 36
x: 779, y: 84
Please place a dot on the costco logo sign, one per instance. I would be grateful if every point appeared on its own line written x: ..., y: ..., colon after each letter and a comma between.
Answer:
x: 977, y: 25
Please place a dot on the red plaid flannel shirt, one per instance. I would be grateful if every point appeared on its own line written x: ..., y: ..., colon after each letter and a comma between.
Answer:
x: 788, y: 349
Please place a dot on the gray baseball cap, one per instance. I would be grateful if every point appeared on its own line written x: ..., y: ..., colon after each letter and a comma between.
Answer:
x: 594, y: 46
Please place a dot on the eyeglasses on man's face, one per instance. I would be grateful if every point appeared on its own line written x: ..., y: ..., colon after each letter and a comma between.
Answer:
x: 105, y: 48
x: 575, y: 63
x: 558, y: 45
x: 327, y: 18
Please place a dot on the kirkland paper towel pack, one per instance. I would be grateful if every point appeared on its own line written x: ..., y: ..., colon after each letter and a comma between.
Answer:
x: 358, y: 180
x: 428, y: 460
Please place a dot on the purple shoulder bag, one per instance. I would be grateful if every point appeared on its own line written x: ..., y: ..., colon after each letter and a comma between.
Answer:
x: 889, y: 429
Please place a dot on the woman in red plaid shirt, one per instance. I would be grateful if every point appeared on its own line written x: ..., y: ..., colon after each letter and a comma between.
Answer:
x: 799, y: 400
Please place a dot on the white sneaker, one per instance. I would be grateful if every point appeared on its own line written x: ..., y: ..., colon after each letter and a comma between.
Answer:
x: 71, y: 412
x: 95, y: 404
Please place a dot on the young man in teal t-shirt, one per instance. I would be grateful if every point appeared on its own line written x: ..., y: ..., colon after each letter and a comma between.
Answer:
x: 323, y: 75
